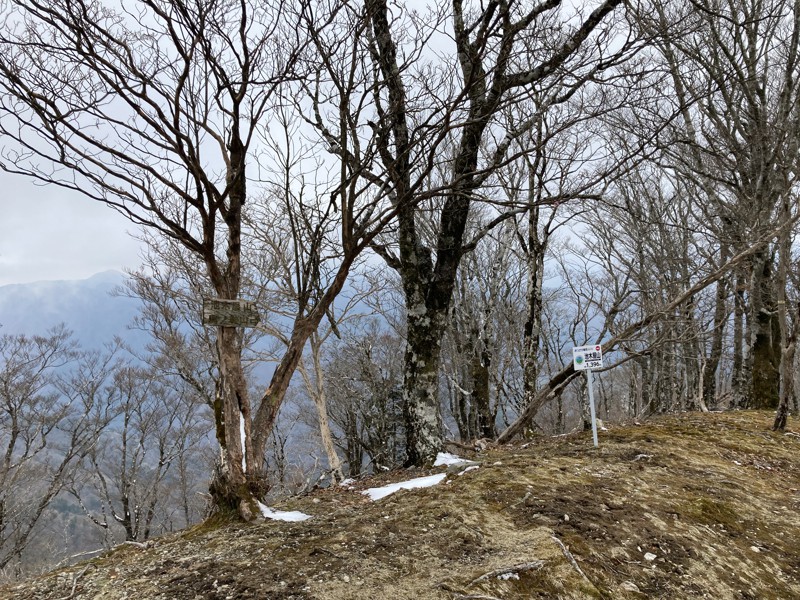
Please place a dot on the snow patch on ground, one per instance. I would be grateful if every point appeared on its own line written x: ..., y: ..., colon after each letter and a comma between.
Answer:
x: 419, y: 482
x: 447, y: 459
x: 470, y: 468
x: 281, y: 515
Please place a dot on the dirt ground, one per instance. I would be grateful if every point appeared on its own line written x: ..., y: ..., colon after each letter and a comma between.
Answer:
x: 686, y: 506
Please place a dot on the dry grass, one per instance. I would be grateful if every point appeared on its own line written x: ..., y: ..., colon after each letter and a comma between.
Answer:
x: 689, y: 506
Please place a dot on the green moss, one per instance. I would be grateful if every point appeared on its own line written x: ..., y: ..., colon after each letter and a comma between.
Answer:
x: 714, y: 512
x: 218, y: 520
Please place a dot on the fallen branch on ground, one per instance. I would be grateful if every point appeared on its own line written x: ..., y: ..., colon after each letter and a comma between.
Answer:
x: 521, y: 568
x: 571, y: 559
x: 75, y: 580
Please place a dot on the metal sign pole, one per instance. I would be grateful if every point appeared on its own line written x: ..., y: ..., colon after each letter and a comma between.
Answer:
x: 586, y: 358
x: 591, y: 406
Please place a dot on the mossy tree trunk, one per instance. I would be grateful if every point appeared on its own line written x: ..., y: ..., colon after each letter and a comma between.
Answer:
x: 765, y: 337
x: 487, y: 42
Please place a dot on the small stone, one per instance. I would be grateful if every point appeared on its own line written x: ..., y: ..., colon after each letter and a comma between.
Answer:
x: 755, y: 548
x: 566, y: 518
x: 629, y: 586
x: 649, y: 556
x: 346, y: 578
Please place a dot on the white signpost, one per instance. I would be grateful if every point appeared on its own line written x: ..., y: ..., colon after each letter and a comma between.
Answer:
x: 586, y: 358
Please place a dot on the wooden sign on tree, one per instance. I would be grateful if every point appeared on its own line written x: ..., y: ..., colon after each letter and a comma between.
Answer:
x: 229, y: 313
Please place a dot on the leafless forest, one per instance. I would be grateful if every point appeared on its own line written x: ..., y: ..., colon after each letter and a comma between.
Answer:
x: 431, y: 203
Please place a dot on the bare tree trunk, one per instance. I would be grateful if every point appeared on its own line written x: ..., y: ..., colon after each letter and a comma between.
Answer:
x: 481, y: 363
x: 738, y: 377
x: 533, y: 322
x: 787, y: 341
x: 421, y: 384
x: 239, y: 480
x: 583, y: 401
x: 230, y: 484
x: 267, y: 412
x: 715, y: 353
x: 764, y: 337
x: 316, y: 389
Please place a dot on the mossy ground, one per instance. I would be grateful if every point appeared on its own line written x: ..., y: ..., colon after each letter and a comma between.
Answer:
x: 686, y: 506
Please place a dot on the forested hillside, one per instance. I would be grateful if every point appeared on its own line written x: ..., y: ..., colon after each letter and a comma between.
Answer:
x: 426, y: 205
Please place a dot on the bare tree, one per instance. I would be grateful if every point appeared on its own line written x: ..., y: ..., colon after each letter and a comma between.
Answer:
x: 480, y: 356
x: 734, y: 68
x: 440, y: 137
x: 157, y: 435
x: 363, y: 382
x: 152, y: 110
x: 54, y: 403
x: 156, y: 110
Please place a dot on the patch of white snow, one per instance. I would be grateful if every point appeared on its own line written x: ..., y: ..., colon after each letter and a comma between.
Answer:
x: 447, y: 459
x: 282, y: 515
x: 470, y: 468
x: 419, y: 482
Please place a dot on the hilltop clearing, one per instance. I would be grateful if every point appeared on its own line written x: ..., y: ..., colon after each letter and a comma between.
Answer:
x: 686, y: 506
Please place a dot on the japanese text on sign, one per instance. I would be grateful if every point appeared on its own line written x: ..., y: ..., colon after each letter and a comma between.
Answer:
x: 587, y: 357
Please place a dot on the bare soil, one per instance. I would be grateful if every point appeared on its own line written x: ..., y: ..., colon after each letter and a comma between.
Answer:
x: 686, y: 506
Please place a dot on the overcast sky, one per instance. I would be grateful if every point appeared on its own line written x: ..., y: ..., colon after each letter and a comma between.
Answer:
x: 48, y: 233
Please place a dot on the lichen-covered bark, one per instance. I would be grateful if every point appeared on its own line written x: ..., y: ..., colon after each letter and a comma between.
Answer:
x: 765, y: 340
x: 429, y: 274
x: 421, y: 410
x: 533, y: 323
x: 481, y: 398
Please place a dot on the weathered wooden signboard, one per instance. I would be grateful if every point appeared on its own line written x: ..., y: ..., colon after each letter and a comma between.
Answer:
x: 229, y: 313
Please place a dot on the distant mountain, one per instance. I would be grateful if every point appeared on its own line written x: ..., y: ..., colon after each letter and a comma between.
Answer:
x: 86, y: 306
